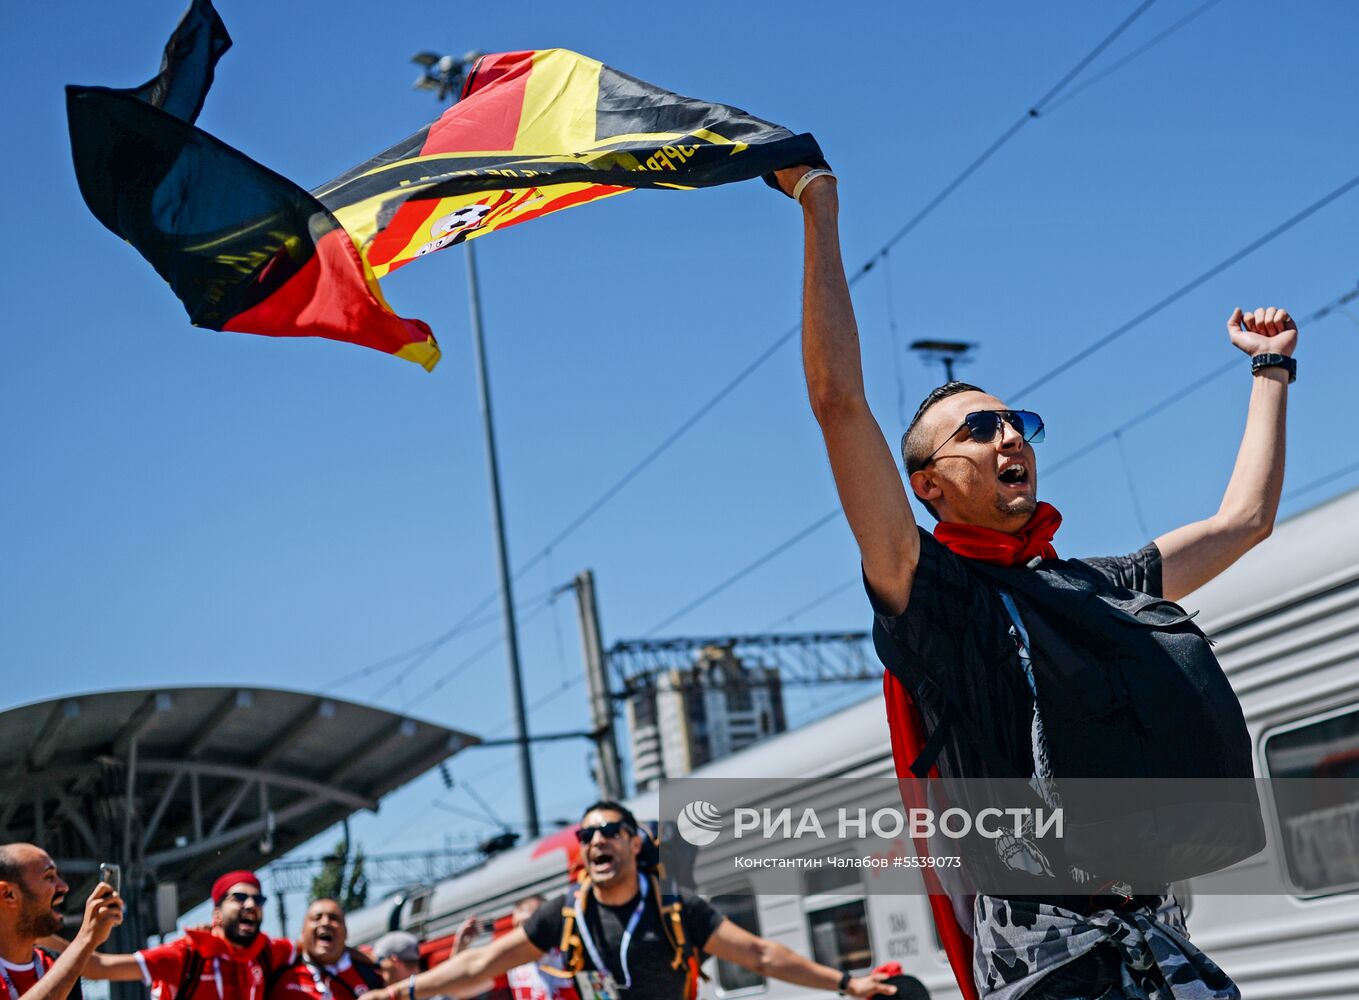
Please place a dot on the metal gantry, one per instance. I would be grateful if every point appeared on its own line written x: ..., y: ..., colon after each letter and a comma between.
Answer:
x: 397, y: 869
x: 803, y: 658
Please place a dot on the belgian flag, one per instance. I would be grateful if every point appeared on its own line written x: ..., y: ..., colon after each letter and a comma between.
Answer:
x: 249, y: 251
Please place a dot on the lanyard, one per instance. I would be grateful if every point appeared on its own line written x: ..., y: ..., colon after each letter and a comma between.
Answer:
x: 37, y: 974
x: 321, y: 980
x: 588, y: 939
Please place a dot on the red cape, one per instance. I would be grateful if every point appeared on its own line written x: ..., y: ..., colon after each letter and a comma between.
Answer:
x: 908, y: 738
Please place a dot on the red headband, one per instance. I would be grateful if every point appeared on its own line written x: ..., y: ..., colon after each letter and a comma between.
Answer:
x: 223, y: 885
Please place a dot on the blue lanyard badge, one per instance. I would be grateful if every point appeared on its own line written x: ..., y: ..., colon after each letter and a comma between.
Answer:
x: 588, y: 939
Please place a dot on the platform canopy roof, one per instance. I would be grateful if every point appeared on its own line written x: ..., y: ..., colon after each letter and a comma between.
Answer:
x: 182, y: 784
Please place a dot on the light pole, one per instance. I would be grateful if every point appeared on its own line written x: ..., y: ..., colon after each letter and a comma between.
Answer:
x: 948, y: 352
x: 445, y: 75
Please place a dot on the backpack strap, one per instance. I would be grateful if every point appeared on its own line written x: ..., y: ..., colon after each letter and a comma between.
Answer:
x: 571, y: 946
x: 271, y: 975
x: 367, y: 970
x: 189, y: 978
x: 685, y: 954
x: 929, y: 752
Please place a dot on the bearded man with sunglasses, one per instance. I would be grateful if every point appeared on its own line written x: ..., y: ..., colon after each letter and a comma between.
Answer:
x: 233, y: 960
x: 626, y: 950
x: 971, y: 463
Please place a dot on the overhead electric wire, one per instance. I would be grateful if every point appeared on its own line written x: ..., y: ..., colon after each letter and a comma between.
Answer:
x: 465, y: 624
x: 1330, y: 477
x: 746, y: 570
x: 1185, y: 289
x: 815, y: 602
x: 1182, y: 392
x: 468, y: 661
x: 1155, y: 40
x: 433, y: 647
x: 1034, y: 111
x: 1066, y: 460
x: 792, y: 331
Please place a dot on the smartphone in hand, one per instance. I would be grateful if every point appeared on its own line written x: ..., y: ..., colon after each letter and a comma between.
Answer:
x: 111, y: 875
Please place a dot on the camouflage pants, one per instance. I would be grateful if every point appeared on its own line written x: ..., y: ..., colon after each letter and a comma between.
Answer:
x: 1020, y: 942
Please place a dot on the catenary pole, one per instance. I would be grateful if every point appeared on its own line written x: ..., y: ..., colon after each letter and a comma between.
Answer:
x: 516, y: 676
x: 445, y: 76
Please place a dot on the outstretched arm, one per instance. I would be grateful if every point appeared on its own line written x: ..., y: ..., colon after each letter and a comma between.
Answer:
x: 866, y: 477
x: 467, y: 973
x: 769, y: 958
x: 1194, y: 554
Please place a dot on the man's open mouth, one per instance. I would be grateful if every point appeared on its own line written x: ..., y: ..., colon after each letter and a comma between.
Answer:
x: 248, y: 924
x: 325, y: 935
x: 602, y: 861
x: 1016, y: 474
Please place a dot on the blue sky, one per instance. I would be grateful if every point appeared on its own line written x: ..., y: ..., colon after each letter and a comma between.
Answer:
x: 186, y: 507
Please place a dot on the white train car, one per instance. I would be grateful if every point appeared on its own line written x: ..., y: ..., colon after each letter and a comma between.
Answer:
x: 1286, y: 623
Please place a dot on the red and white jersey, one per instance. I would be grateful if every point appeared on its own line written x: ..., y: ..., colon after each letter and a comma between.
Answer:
x: 304, y: 980
x: 19, y: 979
x: 227, y: 971
x: 530, y: 982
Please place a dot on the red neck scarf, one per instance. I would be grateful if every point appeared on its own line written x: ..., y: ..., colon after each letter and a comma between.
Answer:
x: 999, y: 547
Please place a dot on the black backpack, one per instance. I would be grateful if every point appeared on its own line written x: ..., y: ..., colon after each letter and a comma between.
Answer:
x: 1128, y: 688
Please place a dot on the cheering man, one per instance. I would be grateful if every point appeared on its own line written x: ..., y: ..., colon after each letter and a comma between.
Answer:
x: 622, y: 942
x: 970, y: 461
x: 31, y: 895
x: 232, y: 961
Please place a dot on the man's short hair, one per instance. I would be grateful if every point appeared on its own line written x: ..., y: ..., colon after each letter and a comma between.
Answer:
x: 11, y: 868
x: 915, y: 446
x: 617, y: 807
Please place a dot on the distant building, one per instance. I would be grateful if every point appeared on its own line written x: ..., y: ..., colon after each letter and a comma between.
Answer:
x: 682, y: 719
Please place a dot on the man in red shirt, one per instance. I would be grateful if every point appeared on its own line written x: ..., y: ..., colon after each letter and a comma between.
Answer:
x: 528, y: 981
x: 327, y: 969
x: 232, y: 961
x: 31, y: 895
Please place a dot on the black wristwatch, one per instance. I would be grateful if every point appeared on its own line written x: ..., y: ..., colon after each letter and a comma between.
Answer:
x: 1259, y: 362
x: 843, y: 984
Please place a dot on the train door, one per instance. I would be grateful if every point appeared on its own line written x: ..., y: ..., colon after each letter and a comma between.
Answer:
x: 835, y: 907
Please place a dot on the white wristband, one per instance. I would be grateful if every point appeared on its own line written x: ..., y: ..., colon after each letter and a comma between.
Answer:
x: 806, y: 179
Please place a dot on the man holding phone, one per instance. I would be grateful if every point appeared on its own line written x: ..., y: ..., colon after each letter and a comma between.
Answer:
x: 232, y: 961
x: 31, y: 895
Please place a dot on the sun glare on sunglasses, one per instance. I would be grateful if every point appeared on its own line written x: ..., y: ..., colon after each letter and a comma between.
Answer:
x: 983, y: 426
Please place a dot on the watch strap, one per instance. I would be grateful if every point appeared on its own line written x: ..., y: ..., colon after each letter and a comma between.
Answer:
x: 843, y: 984
x: 1259, y: 362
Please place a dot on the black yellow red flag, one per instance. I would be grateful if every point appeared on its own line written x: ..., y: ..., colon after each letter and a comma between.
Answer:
x: 247, y: 250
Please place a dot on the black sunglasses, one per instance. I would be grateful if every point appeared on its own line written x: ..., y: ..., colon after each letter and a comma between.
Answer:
x: 610, y: 830
x: 984, y: 425
x: 247, y: 897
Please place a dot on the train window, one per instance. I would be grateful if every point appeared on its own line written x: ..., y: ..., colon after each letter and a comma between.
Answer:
x: 840, y: 935
x: 739, y: 908
x: 833, y: 878
x: 1318, y: 817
